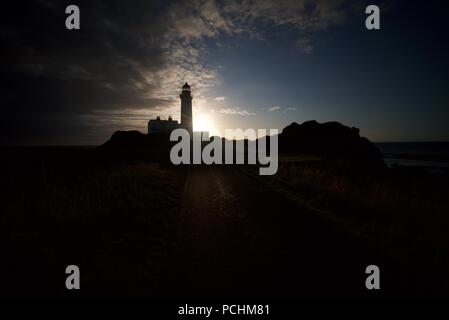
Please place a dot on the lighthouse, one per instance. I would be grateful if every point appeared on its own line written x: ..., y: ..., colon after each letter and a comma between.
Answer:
x: 186, y: 108
x: 162, y: 125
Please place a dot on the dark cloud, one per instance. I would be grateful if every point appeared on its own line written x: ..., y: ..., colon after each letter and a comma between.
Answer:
x: 53, y: 78
x: 124, y: 65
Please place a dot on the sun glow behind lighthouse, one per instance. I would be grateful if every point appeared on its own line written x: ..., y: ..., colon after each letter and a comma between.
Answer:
x: 204, y: 122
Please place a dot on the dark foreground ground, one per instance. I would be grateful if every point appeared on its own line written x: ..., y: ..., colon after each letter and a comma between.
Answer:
x: 147, y: 230
x: 237, y: 239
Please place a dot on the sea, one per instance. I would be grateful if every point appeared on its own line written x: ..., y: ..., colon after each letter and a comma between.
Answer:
x: 430, y: 155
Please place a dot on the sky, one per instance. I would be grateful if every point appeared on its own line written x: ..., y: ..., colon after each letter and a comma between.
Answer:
x: 250, y: 63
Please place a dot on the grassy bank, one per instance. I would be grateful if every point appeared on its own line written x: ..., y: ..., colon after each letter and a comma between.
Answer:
x: 401, y: 212
x: 67, y: 207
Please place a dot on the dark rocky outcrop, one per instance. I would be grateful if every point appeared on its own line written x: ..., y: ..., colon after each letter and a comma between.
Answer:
x: 134, y: 145
x: 330, y: 140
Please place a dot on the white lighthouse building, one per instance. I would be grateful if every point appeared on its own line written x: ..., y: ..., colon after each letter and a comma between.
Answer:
x: 161, y: 125
x: 186, y: 108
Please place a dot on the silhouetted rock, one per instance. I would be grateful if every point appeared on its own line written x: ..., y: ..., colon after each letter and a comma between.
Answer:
x: 330, y: 140
x: 126, y: 139
x: 134, y: 145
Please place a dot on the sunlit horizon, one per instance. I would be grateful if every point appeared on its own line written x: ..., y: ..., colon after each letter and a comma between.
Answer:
x: 205, y: 123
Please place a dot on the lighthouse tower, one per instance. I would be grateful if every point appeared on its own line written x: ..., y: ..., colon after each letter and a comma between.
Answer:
x: 186, y: 108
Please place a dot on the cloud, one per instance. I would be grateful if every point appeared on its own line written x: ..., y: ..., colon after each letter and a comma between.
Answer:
x: 302, y: 15
x: 291, y: 109
x: 272, y: 109
x: 236, y: 111
x: 128, y: 59
x: 220, y: 99
x: 304, y: 46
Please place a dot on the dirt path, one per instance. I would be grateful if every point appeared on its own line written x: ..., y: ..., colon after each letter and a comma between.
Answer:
x: 236, y: 239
